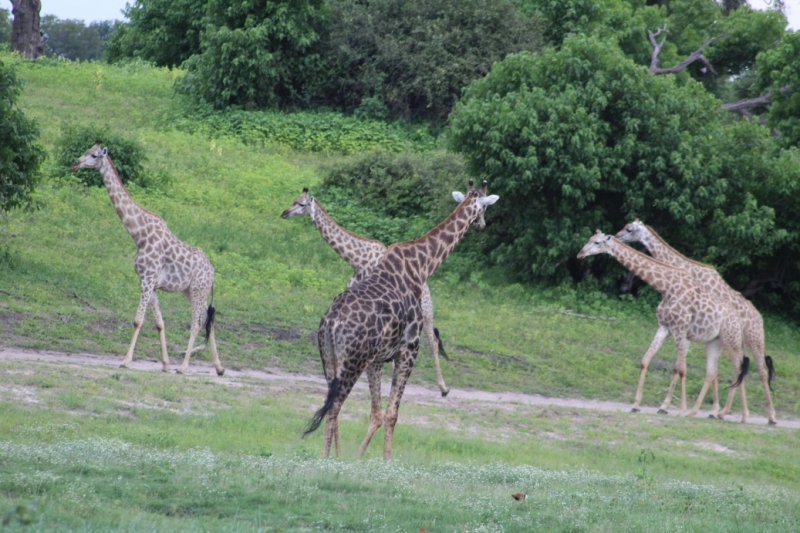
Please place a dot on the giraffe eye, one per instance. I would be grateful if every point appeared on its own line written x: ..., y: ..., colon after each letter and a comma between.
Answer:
x: 94, y: 156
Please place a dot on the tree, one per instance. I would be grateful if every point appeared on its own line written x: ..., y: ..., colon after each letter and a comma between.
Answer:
x: 5, y: 28
x: 26, y: 36
x: 20, y: 155
x: 72, y: 39
x: 413, y: 57
x: 583, y: 138
x: 257, y: 54
x: 165, y: 32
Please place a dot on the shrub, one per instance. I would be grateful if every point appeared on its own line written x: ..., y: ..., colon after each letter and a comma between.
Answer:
x: 164, y: 32
x: 393, y: 197
x: 20, y: 155
x: 128, y: 156
x: 326, y: 132
x: 256, y: 54
x: 582, y: 138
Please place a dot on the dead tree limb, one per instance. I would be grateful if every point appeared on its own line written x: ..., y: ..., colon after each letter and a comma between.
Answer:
x: 697, y: 55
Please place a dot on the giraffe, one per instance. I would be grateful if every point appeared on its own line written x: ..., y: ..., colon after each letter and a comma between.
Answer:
x: 685, y: 312
x: 363, y: 255
x: 710, y: 281
x: 162, y: 262
x: 378, y: 320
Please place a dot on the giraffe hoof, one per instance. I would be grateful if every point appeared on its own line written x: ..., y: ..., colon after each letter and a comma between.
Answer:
x: 445, y: 393
x: 662, y: 412
x: 123, y: 365
x: 165, y: 370
x: 179, y: 371
x: 772, y: 423
x: 715, y: 417
x: 635, y: 410
x: 221, y: 372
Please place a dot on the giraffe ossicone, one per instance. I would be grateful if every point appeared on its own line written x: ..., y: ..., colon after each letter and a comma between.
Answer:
x: 686, y: 313
x: 162, y: 262
x: 378, y: 320
x: 711, y: 282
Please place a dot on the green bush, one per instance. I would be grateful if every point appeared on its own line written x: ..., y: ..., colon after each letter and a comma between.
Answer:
x: 393, y: 197
x: 326, y: 132
x: 164, y: 32
x: 256, y: 54
x: 128, y: 156
x: 582, y: 138
x: 20, y: 155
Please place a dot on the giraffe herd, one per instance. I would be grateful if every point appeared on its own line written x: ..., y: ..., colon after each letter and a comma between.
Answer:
x: 387, y: 303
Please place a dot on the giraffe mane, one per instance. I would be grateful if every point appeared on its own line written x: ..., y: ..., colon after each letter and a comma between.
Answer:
x: 439, y: 226
x: 348, y: 232
x: 110, y: 162
x: 676, y: 252
x: 649, y: 257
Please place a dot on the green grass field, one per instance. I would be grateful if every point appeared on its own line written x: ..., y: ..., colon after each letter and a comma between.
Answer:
x: 130, y: 451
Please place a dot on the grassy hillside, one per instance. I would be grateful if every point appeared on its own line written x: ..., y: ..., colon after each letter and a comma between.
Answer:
x: 67, y: 281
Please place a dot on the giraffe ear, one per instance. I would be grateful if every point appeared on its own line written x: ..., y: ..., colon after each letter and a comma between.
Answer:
x: 488, y: 200
x: 104, y: 151
x: 458, y: 197
x: 608, y: 237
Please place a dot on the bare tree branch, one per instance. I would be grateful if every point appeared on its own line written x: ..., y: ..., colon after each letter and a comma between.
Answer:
x: 697, y: 55
x: 748, y: 103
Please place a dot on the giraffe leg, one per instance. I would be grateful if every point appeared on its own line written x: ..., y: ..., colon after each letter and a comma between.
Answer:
x: 346, y: 384
x: 658, y: 340
x: 212, y: 342
x: 715, y: 388
x: 682, y: 346
x: 427, y: 325
x: 148, y: 290
x: 713, y: 349
x: 162, y: 336
x: 198, y: 319
x: 374, y: 371
x: 756, y: 343
x: 402, y: 370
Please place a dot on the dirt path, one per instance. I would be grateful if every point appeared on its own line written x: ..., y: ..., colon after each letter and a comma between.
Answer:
x: 430, y: 396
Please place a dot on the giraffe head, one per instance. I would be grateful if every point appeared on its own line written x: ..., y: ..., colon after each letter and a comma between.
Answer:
x: 598, y: 244
x: 633, y: 232
x: 301, y: 205
x: 91, y: 158
x: 485, y: 201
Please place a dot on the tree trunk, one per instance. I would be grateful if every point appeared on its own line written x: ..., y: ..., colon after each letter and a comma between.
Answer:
x: 26, y: 37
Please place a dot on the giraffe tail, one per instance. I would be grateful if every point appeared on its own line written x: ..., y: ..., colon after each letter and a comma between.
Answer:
x: 743, y: 373
x: 333, y: 392
x: 771, y: 369
x: 209, y: 320
x: 441, y: 344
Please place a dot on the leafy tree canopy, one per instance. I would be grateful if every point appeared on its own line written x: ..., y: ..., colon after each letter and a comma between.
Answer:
x: 5, y: 28
x: 20, y: 155
x: 72, y: 39
x: 411, y: 58
x: 582, y: 138
x: 166, y: 32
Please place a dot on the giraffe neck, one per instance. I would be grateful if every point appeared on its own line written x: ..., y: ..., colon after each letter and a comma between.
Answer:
x: 421, y: 257
x: 661, y: 276
x: 662, y: 251
x: 128, y: 211
x: 348, y: 246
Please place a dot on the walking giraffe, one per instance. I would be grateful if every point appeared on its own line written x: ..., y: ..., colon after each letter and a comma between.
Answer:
x: 685, y: 312
x: 378, y: 320
x: 162, y: 262
x: 364, y: 255
x: 710, y: 281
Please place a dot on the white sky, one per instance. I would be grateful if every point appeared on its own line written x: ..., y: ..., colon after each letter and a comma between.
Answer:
x: 90, y: 10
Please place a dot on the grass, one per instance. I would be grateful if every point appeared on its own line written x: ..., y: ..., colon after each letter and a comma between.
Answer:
x: 226, y: 456
x: 106, y: 450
